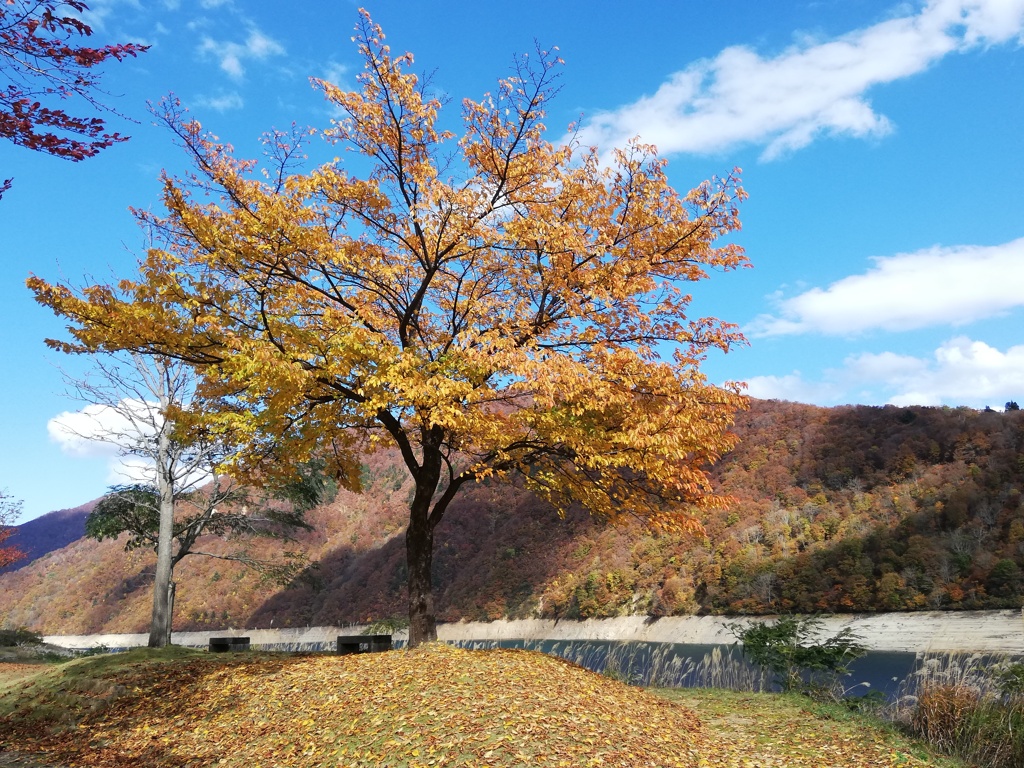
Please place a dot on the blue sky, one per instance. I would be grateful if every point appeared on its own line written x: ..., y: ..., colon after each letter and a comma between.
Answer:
x: 881, y: 145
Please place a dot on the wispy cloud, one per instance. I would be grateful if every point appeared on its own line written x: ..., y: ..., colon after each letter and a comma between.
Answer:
x: 962, y: 371
x: 336, y: 74
x: 937, y: 286
x: 99, y: 11
x: 815, y: 88
x: 223, y: 102
x: 111, y: 433
x: 232, y: 56
x: 794, y: 387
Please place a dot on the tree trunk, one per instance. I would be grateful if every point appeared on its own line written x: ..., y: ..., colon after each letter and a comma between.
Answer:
x: 170, y: 606
x: 160, y: 625
x: 419, y: 556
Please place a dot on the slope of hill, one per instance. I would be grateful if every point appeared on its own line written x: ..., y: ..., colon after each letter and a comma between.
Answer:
x: 841, y: 509
x: 48, y: 532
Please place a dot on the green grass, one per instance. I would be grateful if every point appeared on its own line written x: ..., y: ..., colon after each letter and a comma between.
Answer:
x: 56, y: 696
x: 772, y: 729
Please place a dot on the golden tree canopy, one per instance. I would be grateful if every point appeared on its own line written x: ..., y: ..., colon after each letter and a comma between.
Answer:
x: 489, y: 303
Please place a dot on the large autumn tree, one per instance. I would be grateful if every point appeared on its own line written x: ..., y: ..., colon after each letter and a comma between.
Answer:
x: 41, y: 67
x: 491, y: 305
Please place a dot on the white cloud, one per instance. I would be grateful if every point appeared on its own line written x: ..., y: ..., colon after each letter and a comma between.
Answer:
x: 222, y: 102
x: 336, y: 74
x: 937, y: 286
x: 109, y: 432
x: 104, y: 430
x: 99, y: 11
x: 814, y: 88
x: 792, y: 387
x: 961, y: 371
x: 121, y: 435
x: 130, y: 470
x: 232, y: 56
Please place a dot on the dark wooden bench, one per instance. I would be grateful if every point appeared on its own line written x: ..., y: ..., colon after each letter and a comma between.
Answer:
x: 363, y: 643
x: 224, y: 644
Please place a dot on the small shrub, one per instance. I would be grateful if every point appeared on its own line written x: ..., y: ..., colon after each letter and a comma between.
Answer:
x: 387, y: 626
x: 1011, y: 680
x: 943, y: 712
x: 615, y: 669
x: 10, y: 637
x: 871, y: 703
x: 792, y: 649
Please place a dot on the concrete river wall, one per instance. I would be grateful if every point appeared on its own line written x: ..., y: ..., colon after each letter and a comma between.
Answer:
x: 926, y: 631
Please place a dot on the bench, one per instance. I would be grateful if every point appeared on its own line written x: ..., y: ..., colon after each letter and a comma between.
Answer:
x: 224, y: 644
x: 363, y: 643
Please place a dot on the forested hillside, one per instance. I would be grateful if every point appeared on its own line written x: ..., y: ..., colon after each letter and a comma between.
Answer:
x: 841, y: 509
x: 48, y: 532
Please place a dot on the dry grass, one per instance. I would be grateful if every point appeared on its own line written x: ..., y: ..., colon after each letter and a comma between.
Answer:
x: 764, y: 730
x: 961, y: 704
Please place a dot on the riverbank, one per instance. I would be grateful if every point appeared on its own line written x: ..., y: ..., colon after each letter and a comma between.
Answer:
x: 991, y: 631
x: 926, y: 631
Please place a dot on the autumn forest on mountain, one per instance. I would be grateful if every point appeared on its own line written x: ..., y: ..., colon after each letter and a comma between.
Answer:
x: 845, y: 509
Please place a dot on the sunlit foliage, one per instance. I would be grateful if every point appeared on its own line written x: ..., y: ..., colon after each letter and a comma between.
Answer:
x: 491, y: 305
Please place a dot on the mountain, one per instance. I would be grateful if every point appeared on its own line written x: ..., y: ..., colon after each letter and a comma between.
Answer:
x: 48, y: 532
x: 852, y: 508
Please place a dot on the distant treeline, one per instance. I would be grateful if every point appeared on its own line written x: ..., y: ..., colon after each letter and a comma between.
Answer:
x: 835, y: 509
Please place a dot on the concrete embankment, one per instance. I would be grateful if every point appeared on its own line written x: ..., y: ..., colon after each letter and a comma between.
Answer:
x: 993, y: 631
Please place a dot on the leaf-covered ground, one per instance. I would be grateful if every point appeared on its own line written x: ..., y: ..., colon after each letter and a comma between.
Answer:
x: 432, y: 707
x: 437, y: 706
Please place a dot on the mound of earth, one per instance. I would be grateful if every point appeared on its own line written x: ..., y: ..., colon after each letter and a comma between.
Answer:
x: 434, y: 706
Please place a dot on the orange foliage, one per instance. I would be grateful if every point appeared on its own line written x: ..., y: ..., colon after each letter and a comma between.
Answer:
x: 497, y: 315
x: 8, y: 512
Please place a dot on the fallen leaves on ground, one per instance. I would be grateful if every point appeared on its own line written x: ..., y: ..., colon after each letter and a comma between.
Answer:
x: 435, y: 706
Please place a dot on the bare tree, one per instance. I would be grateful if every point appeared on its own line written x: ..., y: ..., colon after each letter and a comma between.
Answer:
x: 136, y: 404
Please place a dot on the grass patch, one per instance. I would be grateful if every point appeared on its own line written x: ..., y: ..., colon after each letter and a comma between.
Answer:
x: 970, y: 705
x: 51, y: 698
x: 770, y: 729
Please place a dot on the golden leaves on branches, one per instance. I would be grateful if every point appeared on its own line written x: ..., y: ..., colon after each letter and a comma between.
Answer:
x: 503, y: 304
